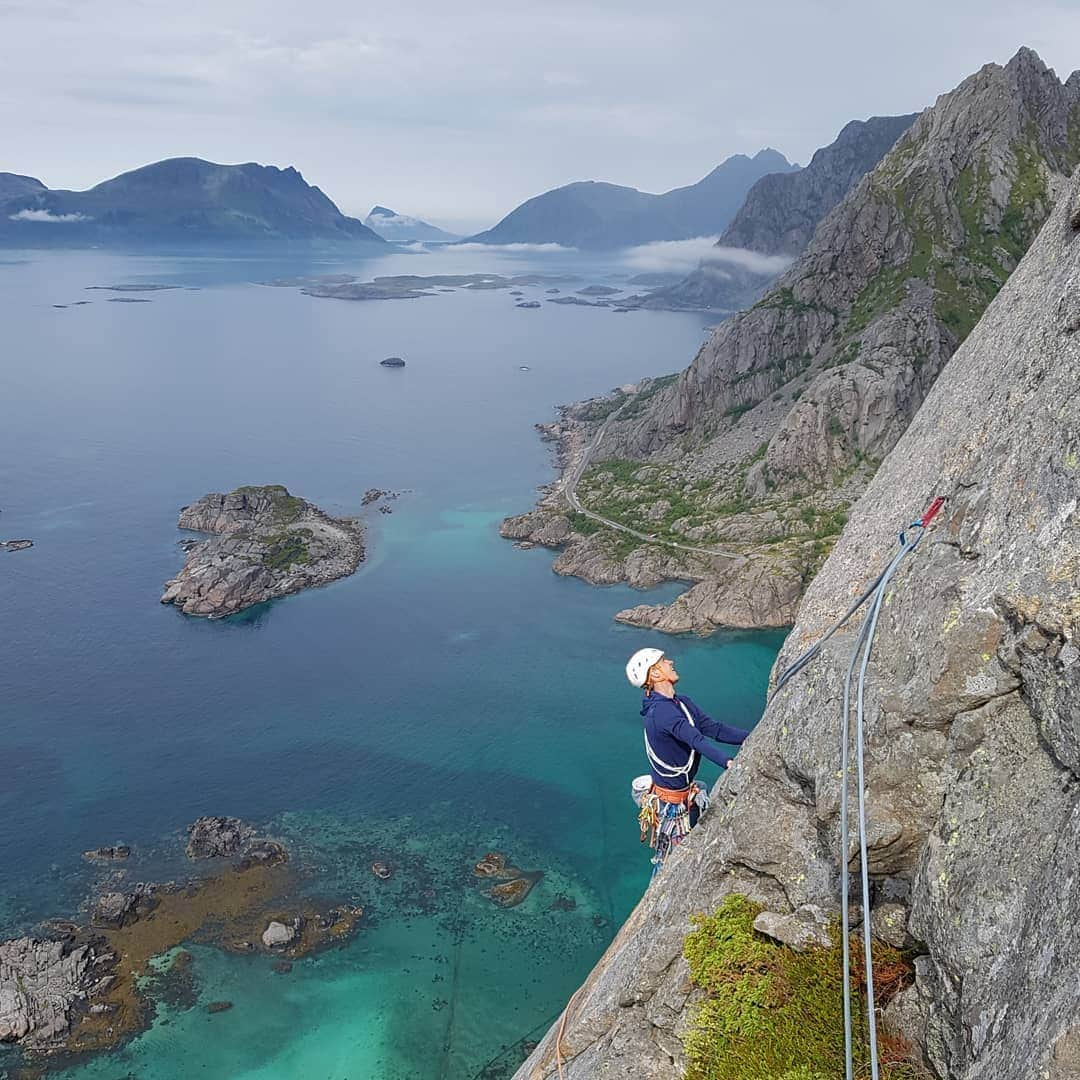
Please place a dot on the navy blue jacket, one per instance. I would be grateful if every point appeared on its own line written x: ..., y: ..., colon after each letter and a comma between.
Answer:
x: 672, y: 738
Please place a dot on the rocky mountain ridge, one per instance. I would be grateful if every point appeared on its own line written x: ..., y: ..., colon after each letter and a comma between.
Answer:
x: 13, y: 185
x: 780, y: 215
x: 780, y: 421
x: 178, y: 202
x: 593, y: 215
x: 972, y: 759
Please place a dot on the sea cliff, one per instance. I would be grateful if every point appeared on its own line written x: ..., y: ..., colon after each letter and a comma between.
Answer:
x: 973, y: 754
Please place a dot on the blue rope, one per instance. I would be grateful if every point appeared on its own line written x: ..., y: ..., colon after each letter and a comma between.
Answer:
x: 860, y: 657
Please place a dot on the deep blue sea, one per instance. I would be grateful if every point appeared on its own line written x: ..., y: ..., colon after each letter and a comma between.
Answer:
x: 491, y: 688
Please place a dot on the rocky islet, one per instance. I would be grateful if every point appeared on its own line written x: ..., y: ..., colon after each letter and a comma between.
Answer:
x: 268, y: 544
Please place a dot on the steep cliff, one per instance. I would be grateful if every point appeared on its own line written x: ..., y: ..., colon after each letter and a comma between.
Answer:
x: 973, y: 750
x: 785, y: 413
x: 780, y: 214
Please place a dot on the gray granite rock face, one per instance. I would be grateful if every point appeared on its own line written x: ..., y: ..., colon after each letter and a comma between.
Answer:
x: 782, y: 211
x: 780, y: 214
x: 973, y: 742
x: 40, y: 982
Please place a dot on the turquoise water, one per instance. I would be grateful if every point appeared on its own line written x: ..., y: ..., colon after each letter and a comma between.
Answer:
x: 491, y: 688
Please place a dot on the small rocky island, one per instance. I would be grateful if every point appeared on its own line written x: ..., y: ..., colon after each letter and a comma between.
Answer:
x: 268, y: 543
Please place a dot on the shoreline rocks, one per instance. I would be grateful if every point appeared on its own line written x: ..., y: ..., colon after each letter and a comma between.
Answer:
x: 216, y: 837
x: 513, y: 885
x: 268, y: 544
x: 40, y: 984
x: 108, y: 854
x: 81, y: 988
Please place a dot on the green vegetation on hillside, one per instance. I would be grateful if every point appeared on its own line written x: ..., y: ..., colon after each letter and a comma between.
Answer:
x: 966, y: 275
x: 771, y: 1013
x: 711, y: 510
x: 287, y: 548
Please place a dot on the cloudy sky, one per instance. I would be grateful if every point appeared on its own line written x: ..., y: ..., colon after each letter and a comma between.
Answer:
x: 458, y: 111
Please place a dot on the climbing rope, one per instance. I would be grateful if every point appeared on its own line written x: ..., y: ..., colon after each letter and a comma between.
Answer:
x: 860, y: 657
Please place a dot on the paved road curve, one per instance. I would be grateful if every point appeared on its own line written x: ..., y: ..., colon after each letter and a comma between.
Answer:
x: 573, y: 478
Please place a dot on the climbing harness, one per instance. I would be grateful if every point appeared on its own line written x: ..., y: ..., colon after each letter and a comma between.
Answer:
x: 860, y: 657
x: 672, y: 772
x: 665, y: 812
x: 665, y: 818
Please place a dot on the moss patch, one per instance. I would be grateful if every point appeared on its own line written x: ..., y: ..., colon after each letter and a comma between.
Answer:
x: 287, y: 548
x: 774, y: 1014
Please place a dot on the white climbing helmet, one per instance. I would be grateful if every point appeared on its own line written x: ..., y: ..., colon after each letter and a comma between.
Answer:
x: 637, y: 667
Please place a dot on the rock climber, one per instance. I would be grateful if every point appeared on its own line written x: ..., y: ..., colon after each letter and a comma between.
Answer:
x: 677, y: 736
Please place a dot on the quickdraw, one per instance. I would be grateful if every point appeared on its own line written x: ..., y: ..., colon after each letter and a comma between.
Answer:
x: 665, y: 821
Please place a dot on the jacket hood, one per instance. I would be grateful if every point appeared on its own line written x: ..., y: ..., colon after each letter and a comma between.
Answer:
x: 652, y: 702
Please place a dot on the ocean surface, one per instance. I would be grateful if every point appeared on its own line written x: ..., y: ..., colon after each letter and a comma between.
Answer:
x: 491, y: 688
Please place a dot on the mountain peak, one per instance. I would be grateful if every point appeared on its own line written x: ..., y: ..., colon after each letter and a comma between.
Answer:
x: 596, y: 215
x: 391, y: 225
x: 184, y: 201
x: 1027, y: 59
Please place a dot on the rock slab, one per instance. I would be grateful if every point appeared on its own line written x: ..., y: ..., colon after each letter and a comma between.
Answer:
x: 40, y: 982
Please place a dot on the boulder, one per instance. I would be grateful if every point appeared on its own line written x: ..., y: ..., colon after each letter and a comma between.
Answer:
x: 796, y: 931
x: 40, y: 982
x: 277, y: 935
x: 114, y: 910
x: 108, y: 854
x: 263, y: 853
x: 217, y: 837
x: 511, y: 893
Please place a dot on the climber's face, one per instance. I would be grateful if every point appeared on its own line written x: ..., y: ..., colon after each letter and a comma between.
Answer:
x: 663, y: 671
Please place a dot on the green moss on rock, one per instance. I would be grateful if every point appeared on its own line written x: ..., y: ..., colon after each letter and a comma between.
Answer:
x: 287, y: 548
x: 771, y: 1013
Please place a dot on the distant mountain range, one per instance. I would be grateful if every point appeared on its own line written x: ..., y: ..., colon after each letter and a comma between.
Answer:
x: 780, y: 214
x: 391, y: 225
x: 181, y: 202
x: 592, y: 215
x: 13, y: 185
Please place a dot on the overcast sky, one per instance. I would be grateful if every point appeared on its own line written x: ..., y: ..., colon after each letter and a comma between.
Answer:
x: 457, y: 111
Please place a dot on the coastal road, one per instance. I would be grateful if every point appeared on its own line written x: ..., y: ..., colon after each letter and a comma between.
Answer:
x: 573, y: 478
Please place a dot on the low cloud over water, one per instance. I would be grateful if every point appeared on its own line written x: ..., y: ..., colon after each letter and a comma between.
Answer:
x: 683, y: 256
